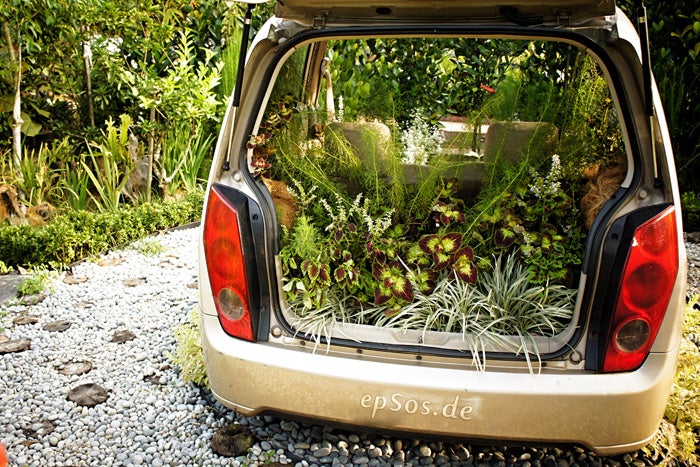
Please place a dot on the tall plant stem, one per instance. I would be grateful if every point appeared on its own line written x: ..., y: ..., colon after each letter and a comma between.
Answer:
x: 151, y: 149
x: 495, y: 199
x: 87, y: 59
x: 17, y: 107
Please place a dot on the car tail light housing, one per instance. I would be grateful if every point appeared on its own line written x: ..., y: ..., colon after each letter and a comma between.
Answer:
x: 230, y: 263
x: 646, y: 285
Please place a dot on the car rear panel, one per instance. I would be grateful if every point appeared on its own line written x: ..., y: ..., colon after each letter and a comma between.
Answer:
x: 597, y: 411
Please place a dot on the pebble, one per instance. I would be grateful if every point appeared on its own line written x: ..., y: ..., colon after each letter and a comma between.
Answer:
x: 172, y: 423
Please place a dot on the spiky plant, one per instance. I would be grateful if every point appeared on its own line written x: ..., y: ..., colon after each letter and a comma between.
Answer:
x: 503, y: 303
x: 510, y: 305
x: 318, y: 323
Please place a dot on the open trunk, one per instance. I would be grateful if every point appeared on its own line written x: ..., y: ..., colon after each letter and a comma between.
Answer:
x: 437, y: 192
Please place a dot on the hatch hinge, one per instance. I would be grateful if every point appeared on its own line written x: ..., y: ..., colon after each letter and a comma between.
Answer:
x: 320, y: 20
x: 648, y: 84
x: 512, y: 14
x: 563, y: 18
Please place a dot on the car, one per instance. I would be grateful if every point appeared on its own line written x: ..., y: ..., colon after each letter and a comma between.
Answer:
x: 451, y: 218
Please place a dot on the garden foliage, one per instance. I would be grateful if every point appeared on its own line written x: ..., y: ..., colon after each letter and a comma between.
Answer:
x: 75, y: 235
x: 389, y: 219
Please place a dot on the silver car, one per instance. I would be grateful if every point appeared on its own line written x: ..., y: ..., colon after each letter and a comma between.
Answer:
x: 454, y: 218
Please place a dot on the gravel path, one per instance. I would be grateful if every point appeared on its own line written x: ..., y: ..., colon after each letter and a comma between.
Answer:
x: 151, y: 417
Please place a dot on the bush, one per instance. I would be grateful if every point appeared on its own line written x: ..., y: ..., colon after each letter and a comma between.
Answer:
x: 36, y: 282
x: 189, y: 356
x: 678, y: 438
x: 691, y: 210
x: 74, y: 235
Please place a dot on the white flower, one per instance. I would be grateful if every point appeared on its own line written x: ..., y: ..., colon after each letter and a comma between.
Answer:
x: 549, y: 185
x: 420, y: 141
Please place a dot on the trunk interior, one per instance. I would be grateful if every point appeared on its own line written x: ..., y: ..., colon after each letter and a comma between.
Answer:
x: 440, y: 206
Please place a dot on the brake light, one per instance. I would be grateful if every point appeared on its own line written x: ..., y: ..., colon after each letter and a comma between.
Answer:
x: 226, y: 266
x: 647, y: 283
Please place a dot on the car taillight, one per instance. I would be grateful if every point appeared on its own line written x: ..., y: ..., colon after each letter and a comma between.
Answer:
x: 225, y: 252
x: 647, y: 282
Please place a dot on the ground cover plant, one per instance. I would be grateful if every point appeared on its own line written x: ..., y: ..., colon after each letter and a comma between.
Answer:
x: 678, y: 439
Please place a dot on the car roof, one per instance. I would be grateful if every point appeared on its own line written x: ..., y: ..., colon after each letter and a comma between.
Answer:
x: 527, y: 11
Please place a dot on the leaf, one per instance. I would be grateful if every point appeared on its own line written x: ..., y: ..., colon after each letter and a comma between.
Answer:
x: 465, y: 269
x: 425, y: 281
x: 313, y: 271
x: 441, y: 260
x: 324, y: 274
x: 43, y: 113
x: 6, y: 103
x: 504, y: 237
x: 546, y: 242
x: 403, y: 290
x: 428, y: 243
x: 380, y: 271
x: 30, y: 127
x: 451, y: 242
x: 417, y: 256
x: 381, y: 296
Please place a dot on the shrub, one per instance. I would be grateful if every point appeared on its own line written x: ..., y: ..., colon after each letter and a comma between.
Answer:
x: 691, y: 210
x: 189, y: 356
x: 678, y: 439
x: 36, y: 282
x: 74, y: 235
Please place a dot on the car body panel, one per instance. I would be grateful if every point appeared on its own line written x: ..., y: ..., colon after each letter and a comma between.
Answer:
x: 511, y: 405
x: 451, y: 10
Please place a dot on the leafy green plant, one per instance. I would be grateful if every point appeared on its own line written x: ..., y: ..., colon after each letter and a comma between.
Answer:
x: 678, y: 439
x: 74, y: 235
x: 315, y: 262
x: 510, y: 215
x: 537, y: 215
x: 590, y: 129
x: 229, y: 69
x: 181, y: 158
x: 188, y: 355
x: 149, y: 246
x: 37, y: 281
x: 339, y: 259
x: 502, y: 303
x: 4, y: 268
x: 110, y: 165
x: 691, y: 209
x: 75, y: 186
x: 38, y: 172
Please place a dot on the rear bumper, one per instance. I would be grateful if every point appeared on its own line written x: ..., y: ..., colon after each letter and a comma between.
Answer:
x: 607, y: 413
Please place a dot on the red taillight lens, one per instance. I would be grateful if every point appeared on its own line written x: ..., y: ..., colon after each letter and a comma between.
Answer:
x: 225, y: 259
x: 647, y: 283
